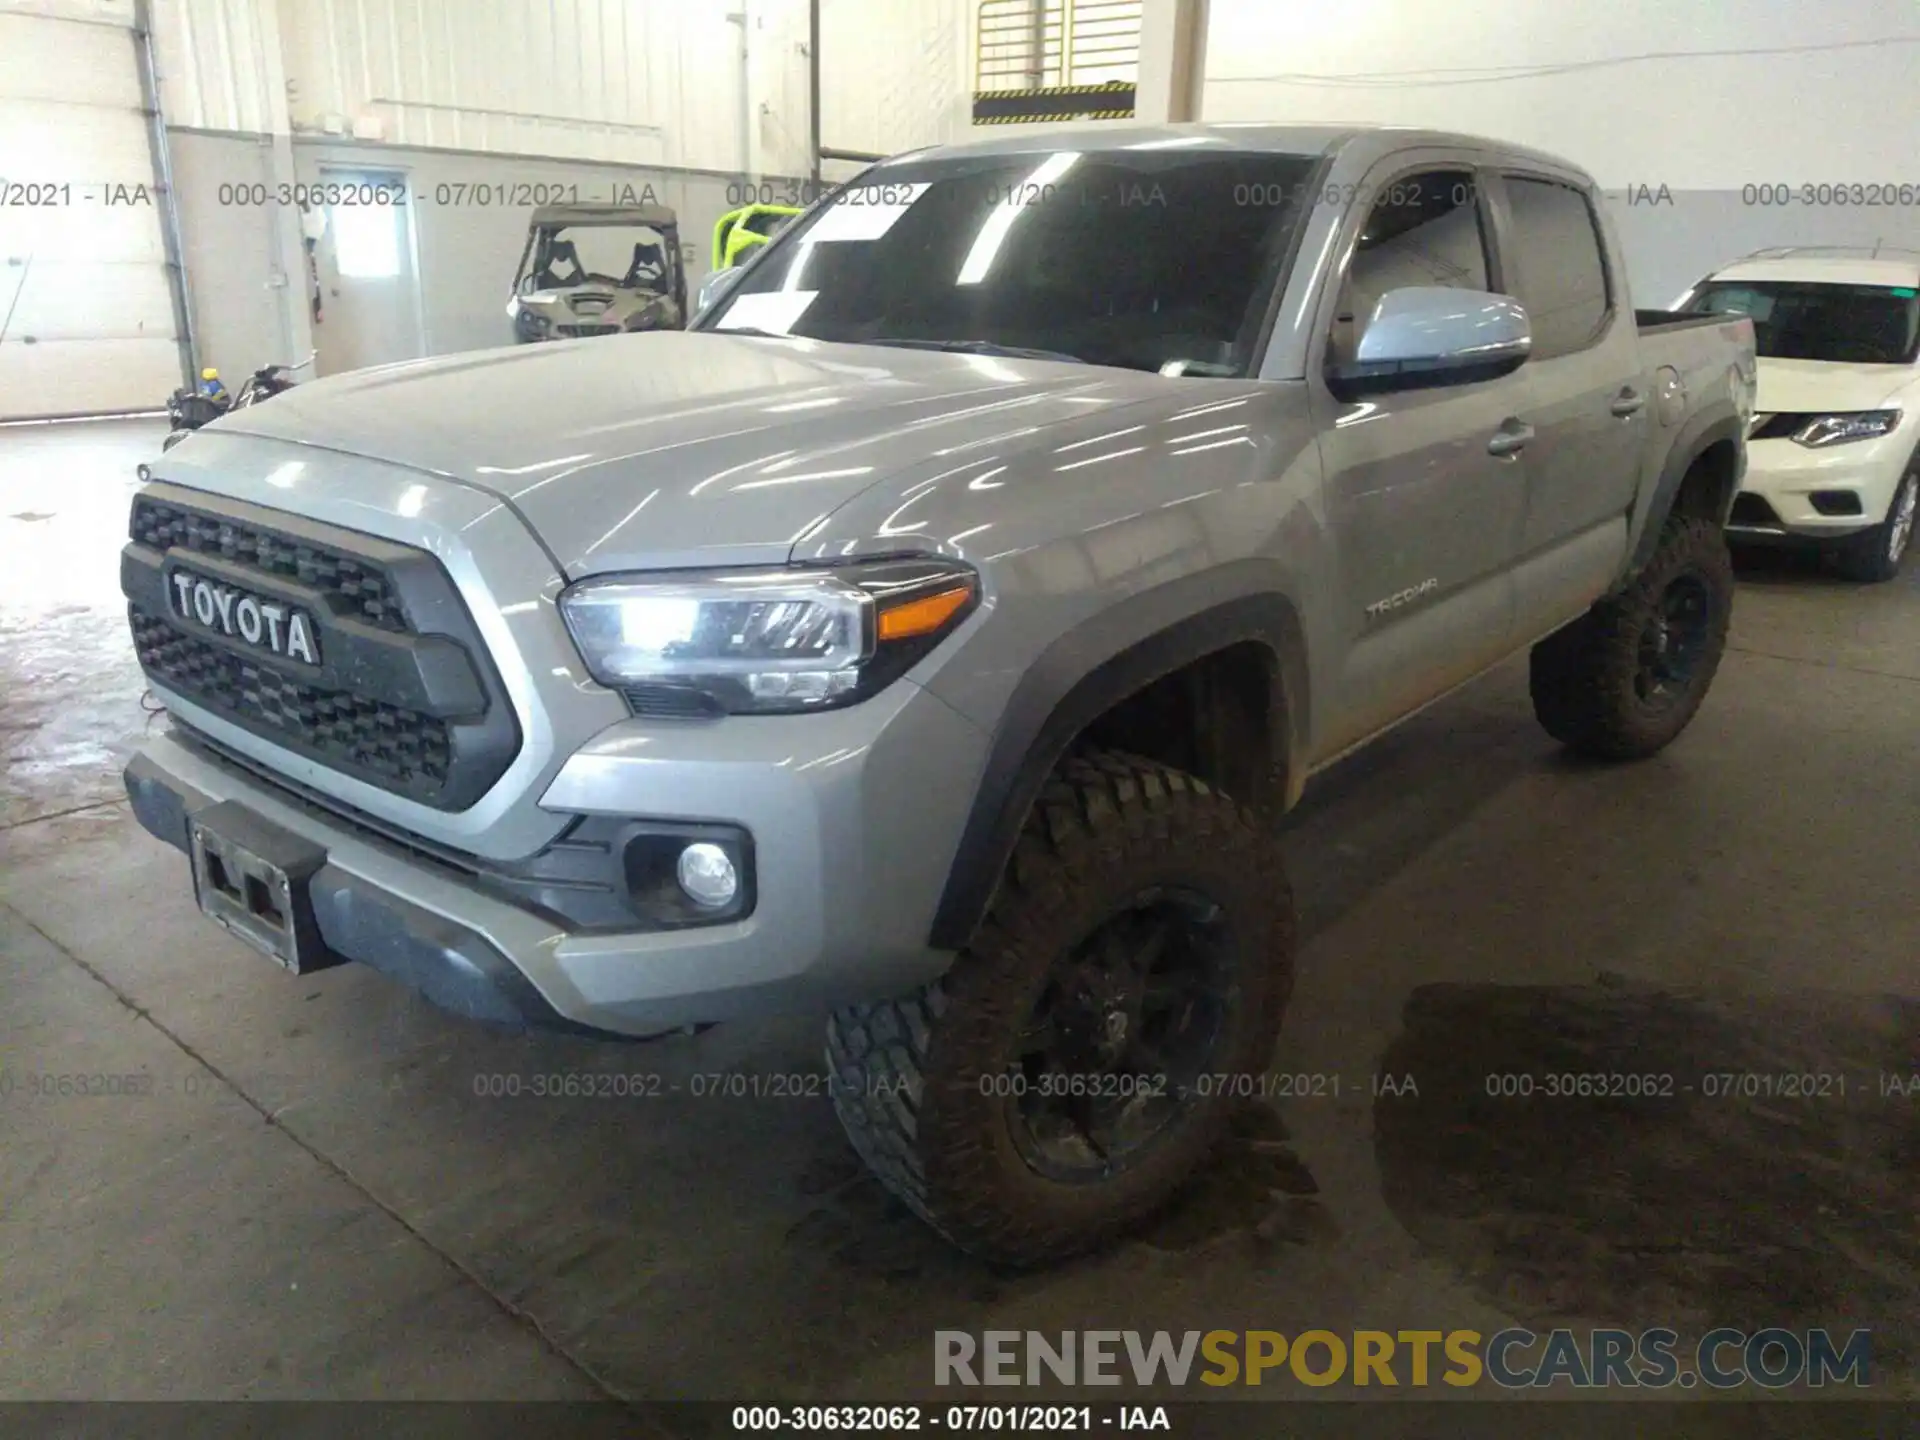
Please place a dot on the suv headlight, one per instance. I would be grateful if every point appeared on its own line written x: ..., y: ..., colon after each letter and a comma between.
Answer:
x: 1839, y: 429
x: 768, y: 641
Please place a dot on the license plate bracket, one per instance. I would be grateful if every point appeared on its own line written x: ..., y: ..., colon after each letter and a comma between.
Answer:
x: 251, y: 876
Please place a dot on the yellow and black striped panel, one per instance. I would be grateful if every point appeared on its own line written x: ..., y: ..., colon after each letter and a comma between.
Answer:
x: 1041, y: 119
x: 1112, y: 101
x: 1106, y: 87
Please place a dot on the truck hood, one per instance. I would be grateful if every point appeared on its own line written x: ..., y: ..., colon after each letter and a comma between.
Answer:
x: 682, y: 449
x: 1809, y: 387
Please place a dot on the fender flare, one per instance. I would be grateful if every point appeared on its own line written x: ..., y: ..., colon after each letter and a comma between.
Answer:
x: 1086, y: 672
x: 1700, y: 433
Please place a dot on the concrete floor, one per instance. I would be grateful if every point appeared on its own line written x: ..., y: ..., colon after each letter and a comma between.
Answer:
x: 314, y: 1202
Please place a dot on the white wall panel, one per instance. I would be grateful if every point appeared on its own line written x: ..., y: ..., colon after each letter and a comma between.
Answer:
x: 1637, y: 91
x: 1702, y: 99
x: 219, y: 64
x: 86, y: 313
x: 110, y: 12
x: 635, y: 81
x: 629, y: 80
x: 895, y: 75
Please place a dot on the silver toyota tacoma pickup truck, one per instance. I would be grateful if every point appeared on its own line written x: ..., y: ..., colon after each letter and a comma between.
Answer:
x: 933, y: 634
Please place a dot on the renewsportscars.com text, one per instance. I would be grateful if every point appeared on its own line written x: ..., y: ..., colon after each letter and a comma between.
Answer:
x: 1722, y: 1359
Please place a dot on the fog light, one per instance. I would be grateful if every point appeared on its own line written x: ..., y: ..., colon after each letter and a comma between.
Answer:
x: 706, y: 873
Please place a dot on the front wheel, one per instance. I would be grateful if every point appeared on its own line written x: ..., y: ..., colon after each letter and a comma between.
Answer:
x: 1626, y: 678
x: 1874, y: 555
x: 1078, y: 1061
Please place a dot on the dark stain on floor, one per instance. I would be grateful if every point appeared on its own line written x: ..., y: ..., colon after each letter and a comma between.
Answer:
x: 1690, y: 1209
x: 1256, y: 1186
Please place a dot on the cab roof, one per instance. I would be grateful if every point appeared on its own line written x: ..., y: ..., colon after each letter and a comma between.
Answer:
x: 1312, y: 140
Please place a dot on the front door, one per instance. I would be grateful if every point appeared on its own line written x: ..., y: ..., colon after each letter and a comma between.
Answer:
x: 369, y: 288
x: 1425, y: 488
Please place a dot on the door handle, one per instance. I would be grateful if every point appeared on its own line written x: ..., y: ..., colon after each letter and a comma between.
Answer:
x: 1510, y: 439
x: 1627, y: 402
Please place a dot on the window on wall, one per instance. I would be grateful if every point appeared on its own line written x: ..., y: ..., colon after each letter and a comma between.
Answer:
x: 366, y: 240
x: 1029, y: 43
x: 1558, y: 272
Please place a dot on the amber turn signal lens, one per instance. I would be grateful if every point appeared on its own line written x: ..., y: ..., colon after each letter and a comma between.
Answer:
x: 923, y: 616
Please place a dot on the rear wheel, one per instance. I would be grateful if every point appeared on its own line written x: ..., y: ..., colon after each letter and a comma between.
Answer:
x: 1072, y: 1068
x: 1626, y: 678
x: 1875, y: 555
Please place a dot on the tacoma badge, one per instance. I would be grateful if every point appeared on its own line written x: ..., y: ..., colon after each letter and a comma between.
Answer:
x: 1405, y: 597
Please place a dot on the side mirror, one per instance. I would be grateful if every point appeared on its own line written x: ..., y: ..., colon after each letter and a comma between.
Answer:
x: 1424, y: 335
x: 715, y: 285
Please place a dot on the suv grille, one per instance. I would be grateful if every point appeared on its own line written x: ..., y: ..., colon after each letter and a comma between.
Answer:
x: 402, y: 694
x: 382, y: 743
x: 365, y: 590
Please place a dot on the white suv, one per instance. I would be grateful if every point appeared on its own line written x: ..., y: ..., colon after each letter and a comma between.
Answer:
x: 1832, y: 453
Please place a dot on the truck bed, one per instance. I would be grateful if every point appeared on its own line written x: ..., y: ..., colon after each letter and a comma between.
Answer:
x: 1672, y: 319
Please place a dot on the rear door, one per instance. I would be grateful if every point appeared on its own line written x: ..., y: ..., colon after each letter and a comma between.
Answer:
x: 1424, y: 516
x: 1589, y: 406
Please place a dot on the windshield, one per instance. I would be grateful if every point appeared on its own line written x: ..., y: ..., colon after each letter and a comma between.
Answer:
x: 635, y: 257
x: 1844, y: 324
x: 1149, y: 259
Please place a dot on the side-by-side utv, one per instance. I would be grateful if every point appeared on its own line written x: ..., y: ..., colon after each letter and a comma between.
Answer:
x: 598, y: 270
x: 738, y: 231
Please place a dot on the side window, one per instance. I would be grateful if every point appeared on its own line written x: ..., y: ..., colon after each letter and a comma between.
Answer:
x: 1422, y: 230
x: 1558, y: 272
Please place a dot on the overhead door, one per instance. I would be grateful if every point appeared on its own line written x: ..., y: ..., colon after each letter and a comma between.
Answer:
x: 86, y: 308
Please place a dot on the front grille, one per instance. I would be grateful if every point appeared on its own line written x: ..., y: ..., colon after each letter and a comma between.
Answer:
x: 380, y: 743
x: 574, y: 332
x: 402, y: 694
x: 364, y: 591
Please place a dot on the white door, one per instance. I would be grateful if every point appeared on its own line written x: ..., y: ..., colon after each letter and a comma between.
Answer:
x: 86, y: 305
x: 369, y: 290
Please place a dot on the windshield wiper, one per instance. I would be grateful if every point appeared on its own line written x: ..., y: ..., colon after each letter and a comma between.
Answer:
x: 980, y: 347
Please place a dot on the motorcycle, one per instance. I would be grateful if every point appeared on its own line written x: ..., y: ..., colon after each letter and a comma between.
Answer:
x: 188, y: 410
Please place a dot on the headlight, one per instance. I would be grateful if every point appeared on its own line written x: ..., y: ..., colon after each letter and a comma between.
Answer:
x: 772, y: 640
x: 1839, y: 429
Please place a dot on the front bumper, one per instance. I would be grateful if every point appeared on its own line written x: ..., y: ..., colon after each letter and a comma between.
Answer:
x: 1797, y: 486
x: 854, y: 817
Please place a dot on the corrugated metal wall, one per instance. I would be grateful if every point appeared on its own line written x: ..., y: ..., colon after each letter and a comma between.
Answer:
x: 643, y: 81
x: 895, y: 73
x: 219, y: 64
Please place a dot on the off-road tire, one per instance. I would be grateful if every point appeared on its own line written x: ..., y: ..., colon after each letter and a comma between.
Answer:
x: 907, y: 1075
x: 1582, y: 676
x: 1871, y: 557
